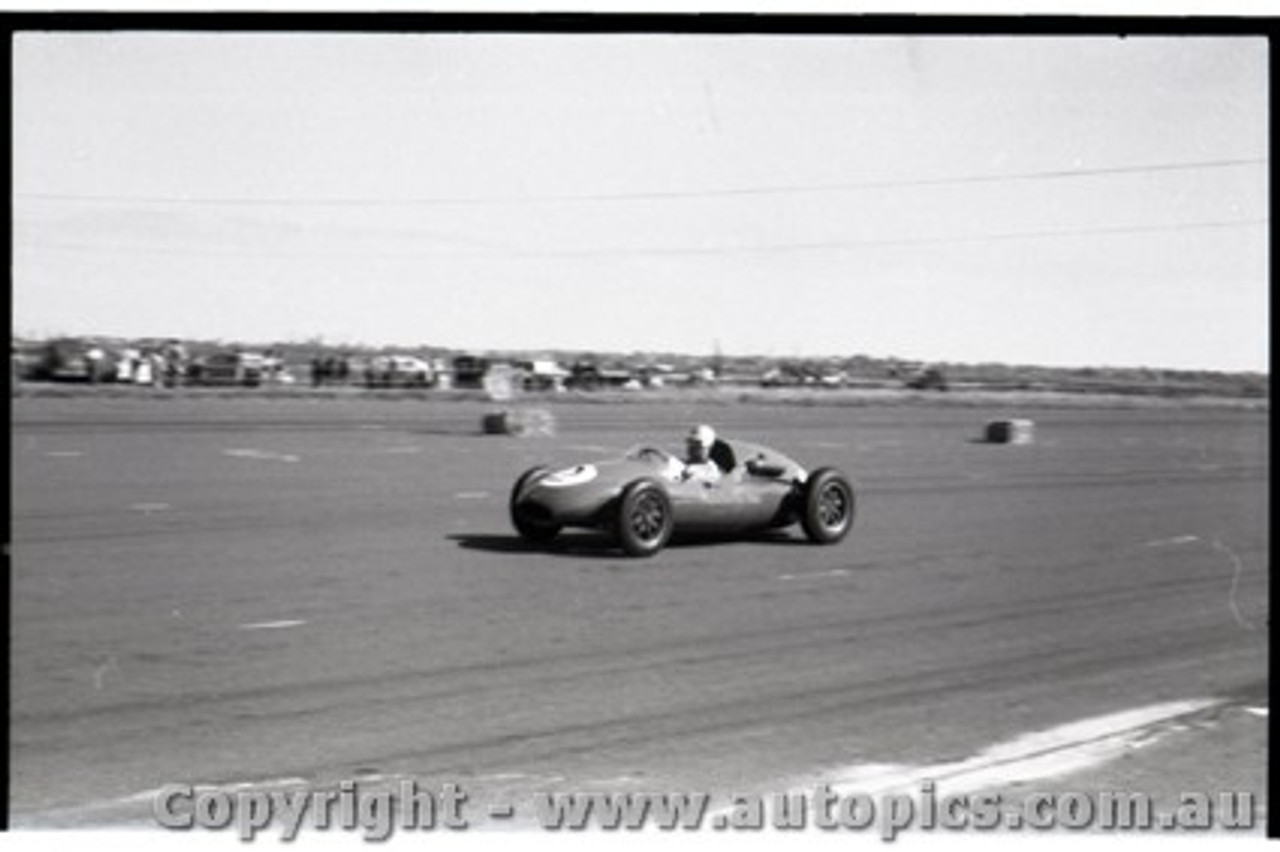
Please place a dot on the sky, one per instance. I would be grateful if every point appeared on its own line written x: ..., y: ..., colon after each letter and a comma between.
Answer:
x: 1074, y: 201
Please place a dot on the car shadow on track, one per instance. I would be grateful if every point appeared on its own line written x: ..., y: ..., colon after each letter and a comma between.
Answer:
x: 595, y: 545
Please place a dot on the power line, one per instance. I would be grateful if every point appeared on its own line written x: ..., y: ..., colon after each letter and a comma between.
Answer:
x: 729, y: 192
x: 671, y: 251
x: 840, y: 245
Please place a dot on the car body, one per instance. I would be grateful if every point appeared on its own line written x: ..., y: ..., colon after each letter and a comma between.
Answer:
x: 27, y: 359
x: 401, y: 371
x: 645, y: 497
x: 228, y: 368
x: 76, y: 360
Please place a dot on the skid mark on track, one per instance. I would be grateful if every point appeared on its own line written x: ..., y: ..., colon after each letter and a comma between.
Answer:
x: 264, y: 784
x: 1237, y: 570
x: 259, y: 455
x: 1030, y: 757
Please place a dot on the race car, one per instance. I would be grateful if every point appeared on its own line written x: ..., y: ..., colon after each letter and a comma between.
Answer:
x: 646, y: 496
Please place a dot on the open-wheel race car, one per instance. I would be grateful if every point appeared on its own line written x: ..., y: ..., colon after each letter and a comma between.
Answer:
x: 647, y: 495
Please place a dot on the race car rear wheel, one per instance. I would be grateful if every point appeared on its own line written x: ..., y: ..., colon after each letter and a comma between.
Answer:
x: 644, y: 521
x: 530, y: 526
x: 828, y: 506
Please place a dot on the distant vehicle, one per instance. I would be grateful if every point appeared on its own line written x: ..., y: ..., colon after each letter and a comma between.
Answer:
x: 274, y: 369
x: 244, y: 369
x: 587, y: 375
x: 543, y: 375
x: 127, y: 362
x: 703, y: 376
x: 26, y: 358
x: 398, y: 371
x: 643, y: 498
x: 72, y: 359
x: 469, y: 371
x: 778, y: 378
x: 930, y: 378
x: 791, y: 376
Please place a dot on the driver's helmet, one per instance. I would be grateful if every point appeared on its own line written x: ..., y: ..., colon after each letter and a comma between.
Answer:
x: 702, y: 435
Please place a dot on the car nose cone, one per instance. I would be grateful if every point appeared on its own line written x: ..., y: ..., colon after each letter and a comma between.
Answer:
x: 579, y: 475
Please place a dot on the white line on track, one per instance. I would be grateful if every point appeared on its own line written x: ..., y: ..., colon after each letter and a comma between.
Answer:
x: 1050, y: 753
x: 1033, y: 756
x: 101, y: 671
x: 1167, y: 542
x: 230, y: 786
x: 504, y: 776
x: 816, y: 575
x: 64, y: 454
x: 1237, y: 565
x: 1237, y: 570
x: 272, y: 625
x: 471, y: 495
x: 55, y: 817
x: 148, y: 508
x: 1258, y: 711
x: 261, y: 455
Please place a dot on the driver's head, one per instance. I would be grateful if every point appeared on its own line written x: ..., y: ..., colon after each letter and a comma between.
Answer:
x: 699, y: 443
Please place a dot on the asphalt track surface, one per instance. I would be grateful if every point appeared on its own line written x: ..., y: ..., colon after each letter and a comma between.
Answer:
x: 241, y: 591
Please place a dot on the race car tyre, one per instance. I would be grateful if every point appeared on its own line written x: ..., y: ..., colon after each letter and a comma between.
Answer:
x: 828, y: 506
x: 537, y: 530
x: 644, y: 521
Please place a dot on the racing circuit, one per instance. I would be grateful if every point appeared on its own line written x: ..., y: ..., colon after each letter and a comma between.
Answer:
x: 306, y: 591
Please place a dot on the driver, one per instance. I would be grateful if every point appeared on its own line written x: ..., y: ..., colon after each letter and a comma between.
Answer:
x: 697, y: 463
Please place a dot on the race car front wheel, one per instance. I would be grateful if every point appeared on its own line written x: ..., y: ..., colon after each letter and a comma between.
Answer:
x: 828, y: 506
x: 644, y: 521
x: 530, y: 526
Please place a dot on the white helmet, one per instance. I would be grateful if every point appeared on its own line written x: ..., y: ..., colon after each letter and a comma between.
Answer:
x: 702, y: 434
